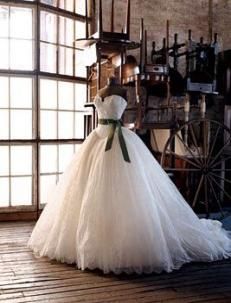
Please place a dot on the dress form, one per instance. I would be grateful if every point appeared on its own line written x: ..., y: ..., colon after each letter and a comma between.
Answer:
x: 112, y: 88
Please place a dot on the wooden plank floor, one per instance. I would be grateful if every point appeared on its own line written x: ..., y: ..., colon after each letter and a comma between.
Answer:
x: 23, y: 278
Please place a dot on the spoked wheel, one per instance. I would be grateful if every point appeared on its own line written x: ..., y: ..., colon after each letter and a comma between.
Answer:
x: 198, y: 156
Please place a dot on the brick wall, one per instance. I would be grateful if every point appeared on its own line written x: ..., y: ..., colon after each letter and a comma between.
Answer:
x: 182, y: 14
x: 201, y: 16
x: 222, y: 22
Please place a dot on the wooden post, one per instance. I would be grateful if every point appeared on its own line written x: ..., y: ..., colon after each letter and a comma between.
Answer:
x: 210, y: 21
x: 98, y: 69
x: 141, y: 43
x: 138, y: 122
x: 167, y: 62
x: 128, y: 19
x: 112, y: 16
x: 145, y: 47
x: 100, y: 20
x: 86, y: 12
x: 167, y: 42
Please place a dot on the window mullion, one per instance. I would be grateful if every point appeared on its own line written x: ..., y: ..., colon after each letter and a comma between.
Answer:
x: 57, y: 130
x: 9, y: 44
x: 57, y: 41
x: 36, y: 146
x: 9, y: 134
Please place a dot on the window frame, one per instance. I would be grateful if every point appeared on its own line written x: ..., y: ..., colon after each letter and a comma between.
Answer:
x: 33, y: 211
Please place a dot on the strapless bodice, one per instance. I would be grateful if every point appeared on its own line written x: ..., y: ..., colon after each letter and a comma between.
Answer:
x: 111, y: 108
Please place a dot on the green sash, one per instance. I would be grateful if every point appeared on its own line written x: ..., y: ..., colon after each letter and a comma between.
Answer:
x: 114, y: 124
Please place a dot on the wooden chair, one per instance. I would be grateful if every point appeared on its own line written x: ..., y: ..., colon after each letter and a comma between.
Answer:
x: 105, y: 35
x: 109, y: 46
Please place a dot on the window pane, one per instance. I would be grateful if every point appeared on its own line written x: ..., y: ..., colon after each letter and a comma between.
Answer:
x: 4, y: 124
x: 21, y: 22
x: 66, y: 61
x: 66, y: 152
x: 67, y: 5
x: 21, y: 55
x: 21, y: 191
x: 80, y: 67
x: 21, y: 92
x: 48, y: 159
x: 49, y: 2
x: 48, y: 27
x: 79, y: 125
x: 77, y: 147
x: 47, y: 184
x: 80, y: 7
x: 80, y: 29
x: 21, y: 124
x: 4, y: 192
x: 48, y: 58
x: 48, y: 94
x: 4, y: 19
x: 4, y: 92
x: 66, y: 95
x: 4, y: 161
x: 48, y: 124
x: 66, y: 125
x: 21, y: 160
x: 4, y: 58
x: 80, y: 96
x: 66, y: 31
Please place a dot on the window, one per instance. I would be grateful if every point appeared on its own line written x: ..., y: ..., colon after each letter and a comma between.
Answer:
x: 42, y: 96
x: 71, y: 5
x: 16, y: 105
x: 58, y: 53
x: 61, y: 105
x: 16, y: 37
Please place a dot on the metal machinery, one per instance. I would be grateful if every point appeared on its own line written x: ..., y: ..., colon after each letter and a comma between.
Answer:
x: 194, y: 150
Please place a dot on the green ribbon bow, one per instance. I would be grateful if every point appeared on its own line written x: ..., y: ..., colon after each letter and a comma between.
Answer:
x: 114, y: 124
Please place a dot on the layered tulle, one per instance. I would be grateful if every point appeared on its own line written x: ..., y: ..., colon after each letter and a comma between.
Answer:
x: 123, y: 217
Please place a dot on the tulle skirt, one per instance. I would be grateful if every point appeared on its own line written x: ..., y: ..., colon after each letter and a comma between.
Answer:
x: 123, y: 217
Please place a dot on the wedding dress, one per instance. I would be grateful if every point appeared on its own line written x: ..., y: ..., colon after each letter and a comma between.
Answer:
x: 117, y: 210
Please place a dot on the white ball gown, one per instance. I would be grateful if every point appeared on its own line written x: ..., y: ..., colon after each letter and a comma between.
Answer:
x: 122, y: 216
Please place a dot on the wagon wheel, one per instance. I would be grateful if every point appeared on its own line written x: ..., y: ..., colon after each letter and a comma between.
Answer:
x: 198, y: 156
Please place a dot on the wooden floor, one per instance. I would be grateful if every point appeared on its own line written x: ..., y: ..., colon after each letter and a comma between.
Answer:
x: 24, y: 278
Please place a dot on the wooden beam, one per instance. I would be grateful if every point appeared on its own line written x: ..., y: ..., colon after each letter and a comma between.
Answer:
x: 127, y: 31
x: 86, y: 13
x: 19, y: 216
x: 210, y: 21
x: 141, y: 44
x: 145, y: 47
x: 100, y: 19
x: 112, y: 16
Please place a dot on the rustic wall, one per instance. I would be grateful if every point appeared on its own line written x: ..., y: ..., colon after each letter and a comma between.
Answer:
x: 182, y: 14
x: 222, y: 22
x: 203, y: 17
